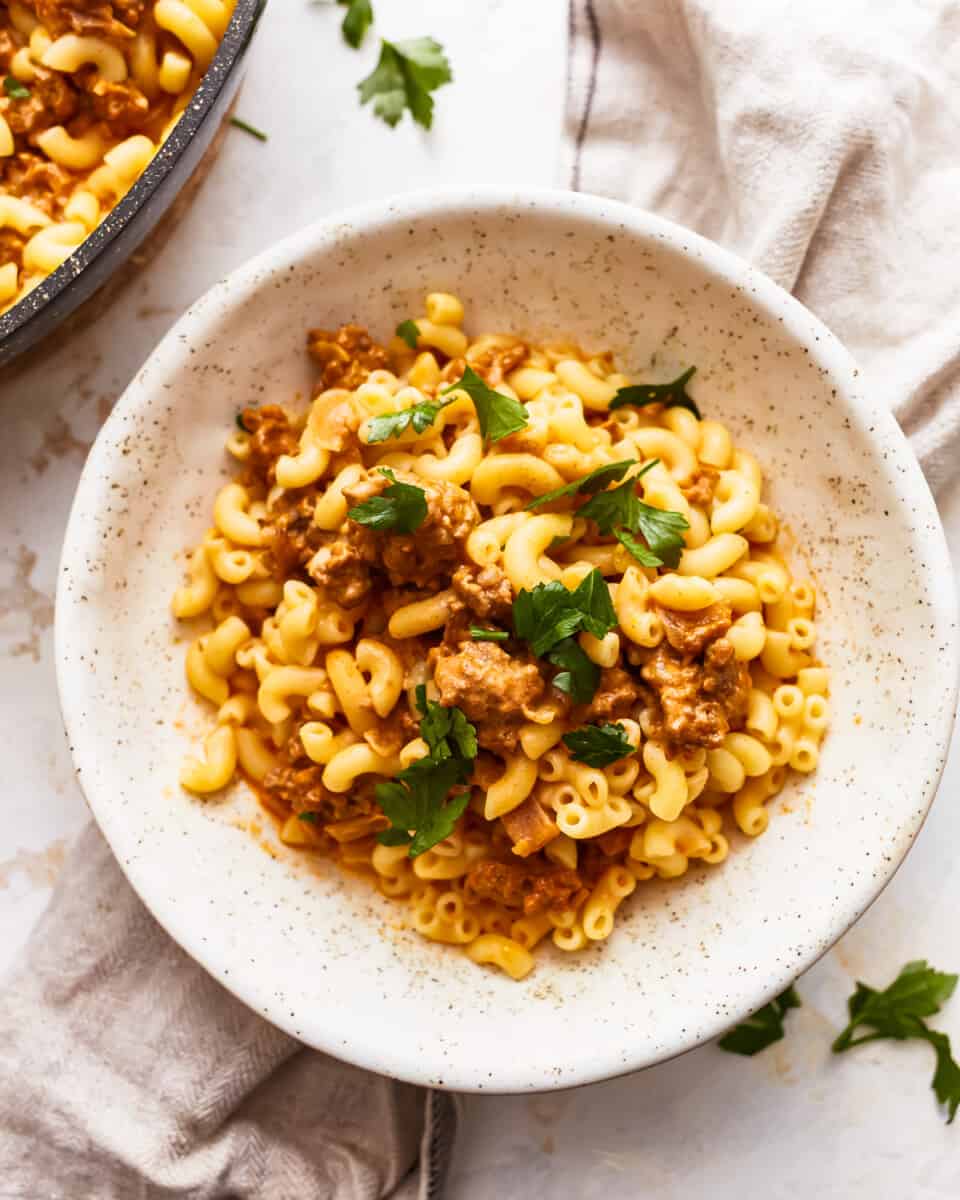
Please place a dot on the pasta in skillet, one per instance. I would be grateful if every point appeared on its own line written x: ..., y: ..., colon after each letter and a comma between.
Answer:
x: 90, y: 93
x: 503, y: 629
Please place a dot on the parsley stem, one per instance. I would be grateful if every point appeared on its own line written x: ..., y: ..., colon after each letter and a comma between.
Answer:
x: 248, y: 128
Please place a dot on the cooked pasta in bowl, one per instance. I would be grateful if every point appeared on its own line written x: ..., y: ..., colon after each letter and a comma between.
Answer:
x: 506, y: 629
x: 529, y: 558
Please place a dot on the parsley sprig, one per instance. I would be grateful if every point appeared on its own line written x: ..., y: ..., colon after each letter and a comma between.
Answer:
x: 400, y: 508
x: 620, y: 511
x: 417, y: 803
x: 409, y: 332
x: 405, y: 75
x: 499, y: 415
x: 897, y: 1012
x: 488, y: 635
x: 356, y: 22
x: 671, y: 395
x: 549, y: 617
x: 762, y: 1029
x: 391, y: 425
x: 598, y: 745
x: 15, y: 89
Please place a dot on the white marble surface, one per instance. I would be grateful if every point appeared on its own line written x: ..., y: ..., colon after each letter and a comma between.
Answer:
x: 794, y: 1122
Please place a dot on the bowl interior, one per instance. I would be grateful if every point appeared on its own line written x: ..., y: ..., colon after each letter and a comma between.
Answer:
x: 319, y: 953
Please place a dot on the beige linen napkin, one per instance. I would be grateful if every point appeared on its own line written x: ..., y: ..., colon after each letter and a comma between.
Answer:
x: 127, y: 1073
x: 819, y: 140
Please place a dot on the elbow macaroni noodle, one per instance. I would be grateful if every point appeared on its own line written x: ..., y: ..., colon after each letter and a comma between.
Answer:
x: 125, y: 87
x: 313, y: 690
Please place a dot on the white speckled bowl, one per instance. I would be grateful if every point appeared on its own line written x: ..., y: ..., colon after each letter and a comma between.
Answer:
x: 320, y: 954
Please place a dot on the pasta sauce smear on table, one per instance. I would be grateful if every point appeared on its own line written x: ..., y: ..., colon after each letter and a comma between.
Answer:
x: 91, y: 90
x: 501, y: 628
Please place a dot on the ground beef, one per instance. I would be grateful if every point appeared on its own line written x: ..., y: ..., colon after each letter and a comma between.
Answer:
x: 118, y: 19
x: 271, y: 435
x: 616, y: 696
x: 534, y: 887
x: 492, y: 362
x: 492, y: 687
x: 342, y: 562
x: 346, y: 356
x: 486, y: 591
x: 122, y: 106
x: 390, y: 734
x: 698, y: 702
x: 53, y: 100
x: 298, y: 786
x: 530, y: 827
x: 691, y: 632
x: 701, y: 487
x: 433, y: 551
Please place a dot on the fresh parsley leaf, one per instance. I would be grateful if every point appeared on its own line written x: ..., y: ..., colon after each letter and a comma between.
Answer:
x: 309, y: 817
x: 499, y: 415
x: 409, y: 332
x: 488, y: 635
x: 248, y: 128
x: 598, y: 745
x: 589, y: 484
x: 15, y: 89
x: 405, y: 75
x: 645, y: 557
x: 763, y: 1028
x: 619, y: 511
x: 357, y: 21
x: 663, y: 532
x: 550, y: 613
x: 447, y: 732
x: 918, y: 991
x: 421, y: 416
x: 946, y: 1079
x: 239, y: 421
x: 417, y: 806
x: 400, y: 508
x: 672, y: 394
x: 580, y: 675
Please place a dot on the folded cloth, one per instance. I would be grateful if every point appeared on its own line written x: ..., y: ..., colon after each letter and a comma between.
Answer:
x: 127, y: 1073
x: 817, y: 140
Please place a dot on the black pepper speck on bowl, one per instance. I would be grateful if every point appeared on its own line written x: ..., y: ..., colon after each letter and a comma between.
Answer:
x: 139, y: 211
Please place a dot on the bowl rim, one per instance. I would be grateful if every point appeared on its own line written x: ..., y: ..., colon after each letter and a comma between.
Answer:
x: 231, y: 293
x: 230, y: 51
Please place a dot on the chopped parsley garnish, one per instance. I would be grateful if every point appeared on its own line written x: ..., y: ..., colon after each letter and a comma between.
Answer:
x: 619, y: 511
x: 416, y: 803
x: 580, y: 674
x: 550, y: 615
x: 918, y: 991
x: 409, y: 332
x: 420, y: 416
x: 671, y: 395
x: 248, y: 128
x: 239, y: 420
x: 598, y: 745
x: 596, y: 481
x: 499, y: 415
x: 446, y: 731
x: 400, y: 508
x: 405, y: 75
x: 763, y: 1028
x: 310, y: 818
x: 15, y: 89
x: 357, y: 21
x: 417, y: 807
x: 488, y: 635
